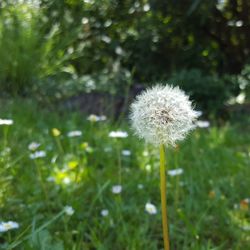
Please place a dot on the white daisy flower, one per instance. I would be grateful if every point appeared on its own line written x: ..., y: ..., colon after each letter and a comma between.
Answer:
x: 202, y: 124
x: 33, y: 146
x: 96, y: 118
x: 126, y: 152
x: 38, y: 154
x: 74, y: 133
x: 117, y: 189
x: 69, y: 210
x: 150, y: 208
x: 6, y: 122
x: 174, y: 172
x: 6, y: 226
x: 66, y: 180
x: 162, y: 115
x: 104, y: 212
x: 118, y: 134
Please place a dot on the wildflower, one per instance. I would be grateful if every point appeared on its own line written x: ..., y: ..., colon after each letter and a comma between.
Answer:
x: 202, y: 124
x: 162, y: 115
x: 150, y: 208
x: 56, y: 132
x: 244, y: 204
x: 6, y: 226
x: 126, y: 152
x: 211, y: 194
x: 116, y: 189
x: 6, y: 122
x: 33, y: 146
x: 96, y: 118
x: 38, y: 154
x: 69, y: 210
x: 174, y: 172
x: 118, y: 134
x: 74, y: 133
x: 73, y: 164
x: 104, y: 212
x: 148, y: 168
x: 66, y: 180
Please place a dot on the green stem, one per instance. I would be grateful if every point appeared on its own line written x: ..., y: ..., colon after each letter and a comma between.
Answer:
x: 164, y: 198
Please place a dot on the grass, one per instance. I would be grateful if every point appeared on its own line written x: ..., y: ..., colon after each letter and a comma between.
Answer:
x: 206, y: 206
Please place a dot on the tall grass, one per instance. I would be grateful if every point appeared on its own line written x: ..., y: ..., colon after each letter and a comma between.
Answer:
x: 207, y: 203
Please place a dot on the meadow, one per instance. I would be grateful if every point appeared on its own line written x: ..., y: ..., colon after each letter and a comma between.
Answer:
x: 78, y: 182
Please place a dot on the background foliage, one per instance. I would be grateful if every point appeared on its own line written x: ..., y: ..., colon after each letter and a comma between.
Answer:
x: 60, y: 48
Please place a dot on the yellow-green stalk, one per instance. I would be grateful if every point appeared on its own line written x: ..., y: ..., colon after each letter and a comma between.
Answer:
x: 164, y: 197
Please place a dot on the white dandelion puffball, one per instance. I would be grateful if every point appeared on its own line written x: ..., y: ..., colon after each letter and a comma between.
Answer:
x: 162, y: 115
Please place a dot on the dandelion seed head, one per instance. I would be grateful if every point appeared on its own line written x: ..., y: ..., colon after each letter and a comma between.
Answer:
x: 162, y: 115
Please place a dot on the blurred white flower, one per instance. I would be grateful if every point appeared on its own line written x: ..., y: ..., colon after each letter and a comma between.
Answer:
x: 148, y: 167
x: 202, y: 124
x: 150, y: 208
x: 145, y: 153
x: 116, y: 189
x: 69, y: 210
x: 126, y: 152
x: 162, y: 115
x: 118, y: 134
x: 38, y: 154
x: 34, y: 146
x: 74, y: 133
x: 96, y: 118
x: 6, y: 226
x: 6, y: 122
x: 66, y: 180
x: 104, y: 212
x: 140, y: 186
x: 174, y: 172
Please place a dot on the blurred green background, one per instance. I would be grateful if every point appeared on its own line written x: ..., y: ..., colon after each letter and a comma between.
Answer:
x: 58, y: 49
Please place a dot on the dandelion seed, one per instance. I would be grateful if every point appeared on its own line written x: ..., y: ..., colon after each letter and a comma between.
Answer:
x: 74, y: 133
x: 150, y: 208
x: 174, y: 172
x: 6, y: 122
x: 126, y: 152
x: 33, y: 146
x: 118, y: 134
x: 38, y: 154
x: 56, y: 132
x: 117, y: 189
x: 202, y: 124
x: 6, y: 226
x: 69, y: 210
x: 162, y: 115
x: 104, y: 212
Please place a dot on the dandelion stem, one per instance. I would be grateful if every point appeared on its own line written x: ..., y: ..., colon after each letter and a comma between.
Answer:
x: 164, y: 198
